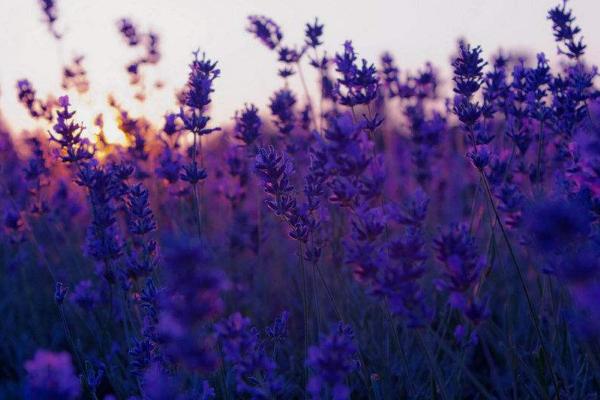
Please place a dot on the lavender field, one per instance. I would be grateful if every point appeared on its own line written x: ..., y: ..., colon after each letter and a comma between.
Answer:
x: 395, y: 234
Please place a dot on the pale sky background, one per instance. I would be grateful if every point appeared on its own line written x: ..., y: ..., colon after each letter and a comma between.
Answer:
x: 414, y: 31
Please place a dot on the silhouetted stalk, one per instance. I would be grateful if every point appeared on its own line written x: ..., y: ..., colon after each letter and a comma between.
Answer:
x: 320, y: 119
x: 307, y: 94
x: 196, y: 201
x: 330, y: 295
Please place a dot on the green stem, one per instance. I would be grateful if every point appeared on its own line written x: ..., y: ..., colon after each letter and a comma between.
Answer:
x: 523, y: 285
x: 307, y: 94
x: 432, y: 367
x: 305, y: 306
x: 462, y: 366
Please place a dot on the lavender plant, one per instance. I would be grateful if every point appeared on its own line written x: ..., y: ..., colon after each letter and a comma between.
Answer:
x: 378, y: 239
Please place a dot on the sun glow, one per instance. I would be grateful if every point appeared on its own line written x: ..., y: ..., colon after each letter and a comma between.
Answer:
x: 110, y: 129
x: 101, y: 122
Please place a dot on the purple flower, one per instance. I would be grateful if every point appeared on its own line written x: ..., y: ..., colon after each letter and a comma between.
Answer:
x: 399, y: 279
x: 129, y: 32
x: 313, y: 34
x: 579, y: 267
x: 274, y: 171
x: 197, y: 95
x: 457, y: 251
x: 169, y: 165
x: 161, y: 384
x: 27, y: 96
x: 565, y: 31
x: 462, y: 269
x: 193, y: 173
x: 520, y: 135
x: 511, y: 203
x: 480, y: 157
x: 255, y: 371
x: 51, y: 376
x: 75, y: 76
x: 358, y: 83
x: 278, y: 331
x: 347, y: 146
x: 468, y: 112
x: 344, y: 192
x: 570, y: 94
x: 102, y: 241
x: 332, y: 362
x: 468, y: 70
x: 170, y: 127
x: 265, y: 30
x: 67, y: 133
x: 183, y: 330
x: 141, y: 354
x: 369, y: 224
x: 425, y: 82
x: 495, y: 85
x: 414, y: 211
x: 314, y: 186
x: 282, y: 108
x: 60, y: 292
x: 36, y: 167
x: 12, y: 220
x: 202, y: 74
x: 247, y: 124
x: 50, y: 15
x: 141, y: 219
x: 390, y: 73
x: 537, y: 80
x: 555, y: 224
x: 288, y: 55
x: 143, y: 259
x: 85, y: 295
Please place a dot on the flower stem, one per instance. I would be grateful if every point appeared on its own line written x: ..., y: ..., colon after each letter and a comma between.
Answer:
x: 523, y: 285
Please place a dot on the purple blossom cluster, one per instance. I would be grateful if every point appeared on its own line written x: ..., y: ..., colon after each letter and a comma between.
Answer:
x: 377, y: 239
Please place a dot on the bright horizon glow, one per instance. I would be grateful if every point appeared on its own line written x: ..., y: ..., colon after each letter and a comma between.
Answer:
x: 414, y: 31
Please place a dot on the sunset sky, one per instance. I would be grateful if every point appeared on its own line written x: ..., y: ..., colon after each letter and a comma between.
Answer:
x: 415, y: 31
